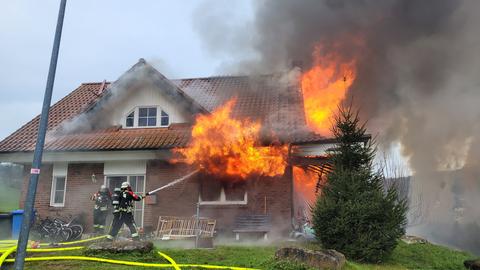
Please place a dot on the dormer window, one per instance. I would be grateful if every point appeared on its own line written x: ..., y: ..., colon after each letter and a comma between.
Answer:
x: 147, y: 117
x: 164, y: 119
x: 130, y: 119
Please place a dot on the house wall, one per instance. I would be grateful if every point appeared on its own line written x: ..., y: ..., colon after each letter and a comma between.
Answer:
x: 272, y: 196
x: 78, y: 191
x: 265, y: 195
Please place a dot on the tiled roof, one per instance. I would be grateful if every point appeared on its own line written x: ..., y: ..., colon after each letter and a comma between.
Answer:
x: 116, y: 138
x: 278, y: 107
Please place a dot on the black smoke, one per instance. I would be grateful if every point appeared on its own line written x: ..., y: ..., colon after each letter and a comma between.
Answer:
x: 417, y: 83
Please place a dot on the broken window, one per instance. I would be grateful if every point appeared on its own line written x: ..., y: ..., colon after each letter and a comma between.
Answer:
x: 217, y: 192
x: 130, y: 119
x: 164, y: 120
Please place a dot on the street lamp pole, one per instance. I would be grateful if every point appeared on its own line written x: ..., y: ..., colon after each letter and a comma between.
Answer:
x: 37, y: 155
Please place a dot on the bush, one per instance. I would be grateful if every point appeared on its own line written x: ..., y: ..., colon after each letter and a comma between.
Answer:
x: 354, y: 214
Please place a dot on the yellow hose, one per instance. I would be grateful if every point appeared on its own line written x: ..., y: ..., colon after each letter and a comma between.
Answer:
x: 160, y: 265
x: 172, y: 263
x: 76, y: 242
x: 5, y: 255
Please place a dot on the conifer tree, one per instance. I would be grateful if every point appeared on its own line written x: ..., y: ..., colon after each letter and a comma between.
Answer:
x: 354, y: 214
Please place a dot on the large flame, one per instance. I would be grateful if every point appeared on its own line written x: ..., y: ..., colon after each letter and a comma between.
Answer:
x: 304, y: 183
x: 229, y: 147
x: 324, y: 86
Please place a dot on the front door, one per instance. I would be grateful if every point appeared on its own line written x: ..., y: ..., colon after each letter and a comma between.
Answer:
x: 137, y: 182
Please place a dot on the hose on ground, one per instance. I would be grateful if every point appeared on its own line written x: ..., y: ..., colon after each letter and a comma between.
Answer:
x: 172, y: 264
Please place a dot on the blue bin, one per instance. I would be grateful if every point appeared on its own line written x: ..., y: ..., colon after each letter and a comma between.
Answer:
x: 17, y: 217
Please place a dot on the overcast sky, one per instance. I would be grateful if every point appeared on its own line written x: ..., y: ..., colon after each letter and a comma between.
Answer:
x: 100, y: 40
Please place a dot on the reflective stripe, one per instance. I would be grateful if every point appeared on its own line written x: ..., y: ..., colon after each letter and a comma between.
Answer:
x: 109, y: 237
x: 134, y: 234
x: 103, y: 208
x: 115, y: 202
x: 101, y: 226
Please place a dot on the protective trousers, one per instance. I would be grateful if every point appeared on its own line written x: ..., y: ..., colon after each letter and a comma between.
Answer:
x: 99, y: 220
x: 121, y: 218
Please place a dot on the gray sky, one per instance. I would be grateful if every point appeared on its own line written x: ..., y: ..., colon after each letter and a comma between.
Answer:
x: 100, y: 40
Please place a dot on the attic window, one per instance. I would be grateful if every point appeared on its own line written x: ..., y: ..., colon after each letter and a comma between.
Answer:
x: 147, y: 117
x: 164, y: 120
x: 130, y: 119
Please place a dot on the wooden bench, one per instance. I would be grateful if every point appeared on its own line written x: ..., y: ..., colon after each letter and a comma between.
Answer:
x: 170, y: 227
x: 252, y: 224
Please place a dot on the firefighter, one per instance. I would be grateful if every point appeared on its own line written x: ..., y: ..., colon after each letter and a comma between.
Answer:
x: 125, y: 212
x: 102, y: 200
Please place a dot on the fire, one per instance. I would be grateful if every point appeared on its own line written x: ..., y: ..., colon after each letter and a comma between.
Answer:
x: 304, y: 183
x: 228, y: 147
x: 324, y: 86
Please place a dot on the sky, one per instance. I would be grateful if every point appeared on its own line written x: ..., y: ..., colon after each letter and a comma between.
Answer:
x: 100, y: 40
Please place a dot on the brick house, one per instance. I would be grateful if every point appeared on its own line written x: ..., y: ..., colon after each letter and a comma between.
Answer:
x: 107, y: 133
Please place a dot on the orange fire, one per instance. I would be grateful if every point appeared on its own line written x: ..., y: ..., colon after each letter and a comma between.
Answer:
x: 324, y: 86
x: 229, y: 147
x: 305, y: 183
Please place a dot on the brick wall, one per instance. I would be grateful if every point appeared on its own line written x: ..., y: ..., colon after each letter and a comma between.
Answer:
x: 273, y: 195
x: 78, y: 191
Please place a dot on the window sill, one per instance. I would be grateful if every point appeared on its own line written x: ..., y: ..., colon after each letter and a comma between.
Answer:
x: 223, y: 203
x: 57, y: 205
x: 137, y: 127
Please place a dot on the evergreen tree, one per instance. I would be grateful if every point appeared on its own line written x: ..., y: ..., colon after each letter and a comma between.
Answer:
x: 354, y: 214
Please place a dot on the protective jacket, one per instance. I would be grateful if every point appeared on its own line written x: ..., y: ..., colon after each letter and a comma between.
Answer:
x: 126, y: 201
x: 102, y: 200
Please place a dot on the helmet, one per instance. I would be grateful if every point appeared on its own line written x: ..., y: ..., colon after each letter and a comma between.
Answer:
x: 103, y: 188
x: 125, y: 185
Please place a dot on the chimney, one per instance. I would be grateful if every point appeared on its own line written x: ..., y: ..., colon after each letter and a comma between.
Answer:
x: 102, y: 87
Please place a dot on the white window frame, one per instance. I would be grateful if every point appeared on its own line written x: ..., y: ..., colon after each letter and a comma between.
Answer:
x: 137, y: 115
x: 59, y: 170
x: 223, y: 200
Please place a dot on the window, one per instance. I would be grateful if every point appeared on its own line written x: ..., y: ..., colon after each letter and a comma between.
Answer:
x: 216, y: 192
x: 164, y: 119
x: 130, y: 119
x: 147, y: 117
x: 57, y: 197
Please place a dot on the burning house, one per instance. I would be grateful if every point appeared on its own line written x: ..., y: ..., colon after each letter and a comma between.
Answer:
x: 245, y: 143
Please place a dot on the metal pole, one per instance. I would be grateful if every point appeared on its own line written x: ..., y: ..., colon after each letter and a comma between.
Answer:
x: 197, y: 219
x: 37, y: 156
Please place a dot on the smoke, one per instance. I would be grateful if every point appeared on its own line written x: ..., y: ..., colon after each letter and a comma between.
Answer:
x: 417, y: 78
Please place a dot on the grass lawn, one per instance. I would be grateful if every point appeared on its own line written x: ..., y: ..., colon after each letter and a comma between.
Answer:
x: 9, y: 199
x: 415, y: 256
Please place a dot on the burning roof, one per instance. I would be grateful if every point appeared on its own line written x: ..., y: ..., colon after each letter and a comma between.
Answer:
x: 269, y: 99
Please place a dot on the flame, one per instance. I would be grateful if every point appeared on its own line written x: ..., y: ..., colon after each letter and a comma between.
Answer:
x: 304, y: 183
x: 228, y: 147
x: 324, y: 86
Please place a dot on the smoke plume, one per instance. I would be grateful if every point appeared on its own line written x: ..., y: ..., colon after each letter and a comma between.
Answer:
x: 417, y: 81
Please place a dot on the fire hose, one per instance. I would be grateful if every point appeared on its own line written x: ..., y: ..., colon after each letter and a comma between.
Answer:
x: 176, y: 181
x: 172, y: 264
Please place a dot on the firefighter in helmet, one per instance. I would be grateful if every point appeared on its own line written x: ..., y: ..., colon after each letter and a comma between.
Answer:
x: 125, y: 212
x: 102, y: 200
